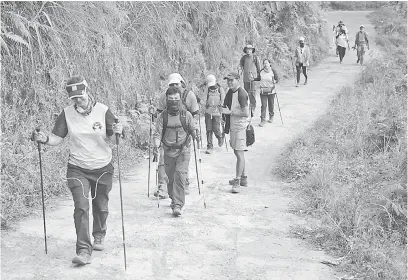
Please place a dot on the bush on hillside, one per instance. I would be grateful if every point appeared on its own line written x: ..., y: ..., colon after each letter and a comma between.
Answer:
x: 352, y: 164
x: 125, y: 50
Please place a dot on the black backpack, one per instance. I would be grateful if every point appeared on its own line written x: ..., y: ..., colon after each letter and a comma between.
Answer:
x: 183, y: 120
x: 250, y: 135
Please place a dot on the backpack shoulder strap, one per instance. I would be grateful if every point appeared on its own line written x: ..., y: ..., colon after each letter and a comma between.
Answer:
x: 165, y: 115
x: 183, y: 120
x: 184, y: 97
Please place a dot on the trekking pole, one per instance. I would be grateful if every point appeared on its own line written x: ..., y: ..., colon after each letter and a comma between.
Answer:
x: 196, y: 166
x: 155, y: 159
x: 42, y: 191
x: 199, y: 123
x: 277, y: 101
x: 294, y: 74
x: 225, y: 135
x: 121, y: 198
x: 150, y: 142
x: 201, y: 173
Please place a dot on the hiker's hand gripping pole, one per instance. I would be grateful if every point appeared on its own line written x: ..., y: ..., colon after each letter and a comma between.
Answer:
x: 37, y: 130
x: 121, y: 197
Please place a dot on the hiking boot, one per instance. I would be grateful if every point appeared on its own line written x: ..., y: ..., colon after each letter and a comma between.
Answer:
x: 305, y: 82
x: 235, y: 186
x: 161, y: 194
x: 270, y: 120
x: 358, y: 60
x: 176, y: 211
x: 243, y: 182
x: 208, y: 151
x: 98, y: 243
x: 262, y: 123
x: 186, y: 191
x: 82, y: 258
x: 221, y: 141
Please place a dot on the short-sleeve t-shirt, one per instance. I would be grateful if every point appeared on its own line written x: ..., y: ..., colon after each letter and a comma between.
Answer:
x: 87, y: 135
x: 189, y: 102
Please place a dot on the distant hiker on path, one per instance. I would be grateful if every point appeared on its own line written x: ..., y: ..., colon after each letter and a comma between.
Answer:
x: 215, y: 95
x: 173, y: 129
x: 268, y: 79
x: 188, y: 102
x: 250, y: 67
x: 342, y: 43
x: 361, y: 42
x: 302, y: 57
x: 236, y: 112
x: 341, y: 27
x: 89, y: 125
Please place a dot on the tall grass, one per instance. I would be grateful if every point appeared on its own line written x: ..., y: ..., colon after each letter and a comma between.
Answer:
x: 351, y: 165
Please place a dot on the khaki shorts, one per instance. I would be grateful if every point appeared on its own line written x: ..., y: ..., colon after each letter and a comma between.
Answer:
x: 161, y: 156
x: 238, y: 139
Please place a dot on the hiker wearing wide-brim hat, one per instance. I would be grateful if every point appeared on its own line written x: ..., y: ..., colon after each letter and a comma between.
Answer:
x: 250, y: 66
x: 302, y: 57
x: 89, y: 125
x: 249, y: 47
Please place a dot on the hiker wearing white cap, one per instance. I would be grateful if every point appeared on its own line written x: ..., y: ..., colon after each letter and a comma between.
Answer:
x: 250, y: 66
x: 235, y: 113
x: 215, y: 99
x: 302, y: 57
x: 89, y: 125
x: 189, y: 103
x: 361, y: 42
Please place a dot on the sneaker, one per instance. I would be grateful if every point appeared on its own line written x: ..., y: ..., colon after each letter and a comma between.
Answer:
x: 297, y: 85
x: 161, y: 194
x: 306, y: 82
x: 208, y: 151
x: 358, y: 60
x: 98, y: 243
x: 221, y: 141
x: 262, y: 123
x: 235, y: 186
x: 270, y: 120
x: 176, y: 211
x: 82, y: 258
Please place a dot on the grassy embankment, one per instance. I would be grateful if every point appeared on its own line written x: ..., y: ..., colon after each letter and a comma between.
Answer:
x: 350, y: 167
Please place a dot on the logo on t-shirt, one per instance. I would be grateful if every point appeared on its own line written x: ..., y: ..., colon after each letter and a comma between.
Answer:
x: 97, y: 126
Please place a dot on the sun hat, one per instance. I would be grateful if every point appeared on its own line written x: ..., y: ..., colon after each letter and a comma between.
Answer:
x: 175, y: 78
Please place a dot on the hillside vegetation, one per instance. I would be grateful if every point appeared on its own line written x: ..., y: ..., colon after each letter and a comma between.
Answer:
x: 125, y: 50
x: 351, y: 166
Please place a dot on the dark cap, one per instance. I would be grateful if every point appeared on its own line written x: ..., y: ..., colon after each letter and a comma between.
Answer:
x: 76, y: 86
x: 232, y: 75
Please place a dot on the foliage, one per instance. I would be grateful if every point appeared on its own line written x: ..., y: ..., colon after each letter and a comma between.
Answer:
x: 125, y: 50
x: 352, y: 164
x: 355, y: 5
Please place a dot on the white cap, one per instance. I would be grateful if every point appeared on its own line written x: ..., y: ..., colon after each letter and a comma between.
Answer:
x: 175, y: 78
x: 302, y: 38
x: 211, y: 80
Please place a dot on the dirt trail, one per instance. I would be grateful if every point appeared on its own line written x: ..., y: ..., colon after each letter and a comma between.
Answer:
x: 238, y: 236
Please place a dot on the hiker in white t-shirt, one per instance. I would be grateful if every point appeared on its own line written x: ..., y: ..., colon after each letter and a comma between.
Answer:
x: 267, y: 80
x: 89, y: 125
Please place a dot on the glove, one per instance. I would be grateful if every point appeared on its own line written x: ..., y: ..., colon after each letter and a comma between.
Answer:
x: 39, y: 136
x: 117, y: 128
x: 155, y: 152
